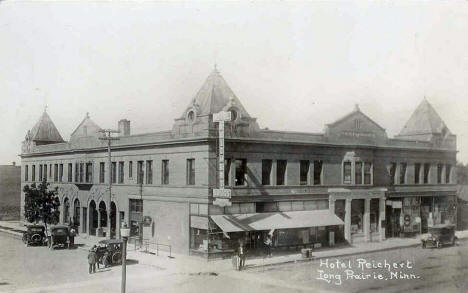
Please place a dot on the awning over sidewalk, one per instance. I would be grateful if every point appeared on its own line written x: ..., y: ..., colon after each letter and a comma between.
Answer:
x: 278, y: 220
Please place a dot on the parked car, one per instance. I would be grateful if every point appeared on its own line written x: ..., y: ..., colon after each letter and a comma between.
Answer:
x: 439, y: 235
x: 34, y: 235
x: 59, y: 237
x: 109, y: 252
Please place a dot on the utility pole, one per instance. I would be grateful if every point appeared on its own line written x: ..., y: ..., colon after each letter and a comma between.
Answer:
x: 107, y: 136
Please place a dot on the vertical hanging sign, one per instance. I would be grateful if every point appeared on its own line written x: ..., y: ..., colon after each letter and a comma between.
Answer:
x: 222, y: 196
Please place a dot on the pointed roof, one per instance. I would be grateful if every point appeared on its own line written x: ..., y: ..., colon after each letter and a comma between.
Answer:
x: 214, y: 95
x: 424, y: 120
x: 45, y: 130
x: 87, y: 127
x: 356, y: 112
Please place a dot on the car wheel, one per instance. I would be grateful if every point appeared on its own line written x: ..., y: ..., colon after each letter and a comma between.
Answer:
x: 117, y: 258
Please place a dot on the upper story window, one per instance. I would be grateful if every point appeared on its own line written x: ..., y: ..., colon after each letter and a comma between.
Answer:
x: 89, y: 173
x: 102, y: 172
x: 45, y: 173
x: 362, y: 172
x: 417, y: 173
x: 403, y: 173
x: 77, y: 172
x: 165, y: 172
x: 304, y: 172
x: 392, y: 173
x: 50, y: 171
x: 266, y: 172
x: 281, y: 166
x: 426, y: 170
x: 149, y: 172
x: 241, y: 172
x: 318, y: 169
x: 448, y: 170
x: 439, y: 173
x: 227, y: 171
x: 190, y: 172
x: 114, y: 172
x: 70, y: 172
x: 33, y: 173
x: 140, y: 174
x: 26, y: 173
x: 55, y: 172
x: 121, y: 172
x: 130, y: 169
x: 60, y: 173
x: 81, y: 172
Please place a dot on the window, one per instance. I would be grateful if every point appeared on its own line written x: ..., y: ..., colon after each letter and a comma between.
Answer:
x: 367, y: 173
x: 81, y: 171
x: 448, y: 169
x: 402, y: 173
x: 61, y: 173
x: 149, y: 172
x: 241, y: 172
x: 190, y: 171
x: 50, y: 171
x: 304, y: 172
x: 357, y: 123
x: 426, y: 173
x: 121, y: 172
x: 266, y: 172
x: 44, y: 177
x: 140, y: 172
x: 77, y: 172
x: 33, y: 171
x: 281, y: 172
x: 40, y: 172
x: 130, y: 169
x: 417, y: 172
x: 318, y: 172
x: 165, y: 172
x: 439, y: 173
x: 347, y: 172
x: 227, y: 171
x: 102, y: 172
x: 113, y: 172
x: 26, y: 173
x: 70, y: 172
x: 392, y: 173
x: 55, y: 172
x: 358, y: 173
x: 89, y: 172
x: 136, y: 216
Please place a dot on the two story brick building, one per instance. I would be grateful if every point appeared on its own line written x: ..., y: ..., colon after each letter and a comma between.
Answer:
x: 350, y: 183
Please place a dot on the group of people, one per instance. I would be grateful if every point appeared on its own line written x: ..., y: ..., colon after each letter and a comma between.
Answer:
x: 94, y: 259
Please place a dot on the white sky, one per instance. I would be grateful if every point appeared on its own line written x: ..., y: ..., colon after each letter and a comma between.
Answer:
x: 294, y: 66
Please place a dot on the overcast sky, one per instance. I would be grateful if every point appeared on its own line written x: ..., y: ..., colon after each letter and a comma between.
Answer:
x: 294, y: 66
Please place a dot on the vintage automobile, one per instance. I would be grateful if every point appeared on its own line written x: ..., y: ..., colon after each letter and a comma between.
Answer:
x: 59, y: 237
x: 439, y: 235
x: 109, y: 252
x: 34, y: 235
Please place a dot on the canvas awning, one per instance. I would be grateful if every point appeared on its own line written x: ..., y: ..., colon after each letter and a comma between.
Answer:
x: 277, y: 220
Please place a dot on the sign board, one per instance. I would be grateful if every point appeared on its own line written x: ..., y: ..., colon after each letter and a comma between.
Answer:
x: 222, y: 202
x: 222, y: 116
x: 396, y: 204
x: 223, y: 193
x: 388, y: 202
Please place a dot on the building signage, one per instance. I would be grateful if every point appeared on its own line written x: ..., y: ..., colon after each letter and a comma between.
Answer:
x: 396, y: 204
x: 221, y: 195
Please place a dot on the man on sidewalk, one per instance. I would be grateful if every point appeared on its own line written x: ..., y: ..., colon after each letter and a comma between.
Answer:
x: 92, y: 259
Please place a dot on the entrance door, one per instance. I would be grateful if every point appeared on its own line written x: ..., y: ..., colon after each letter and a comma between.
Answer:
x: 85, y: 220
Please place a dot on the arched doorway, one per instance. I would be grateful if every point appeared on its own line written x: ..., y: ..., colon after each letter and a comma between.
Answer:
x: 93, y: 215
x: 76, y: 212
x: 113, y: 219
x: 102, y: 215
x: 66, y: 210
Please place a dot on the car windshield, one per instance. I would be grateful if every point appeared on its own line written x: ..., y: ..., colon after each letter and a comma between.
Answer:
x: 60, y: 231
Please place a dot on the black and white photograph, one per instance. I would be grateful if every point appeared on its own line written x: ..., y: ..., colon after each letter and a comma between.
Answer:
x: 233, y: 146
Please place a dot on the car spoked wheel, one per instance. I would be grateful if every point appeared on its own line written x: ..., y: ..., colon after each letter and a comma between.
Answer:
x: 117, y: 258
x: 36, y: 238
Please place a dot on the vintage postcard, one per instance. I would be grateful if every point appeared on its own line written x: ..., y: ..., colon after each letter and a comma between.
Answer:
x: 233, y: 146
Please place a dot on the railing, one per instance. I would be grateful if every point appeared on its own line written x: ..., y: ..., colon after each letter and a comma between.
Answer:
x: 158, y: 246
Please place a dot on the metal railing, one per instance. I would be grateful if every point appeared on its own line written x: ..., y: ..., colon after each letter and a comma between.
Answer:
x: 158, y: 247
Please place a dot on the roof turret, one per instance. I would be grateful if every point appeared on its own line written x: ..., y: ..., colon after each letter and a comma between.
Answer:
x: 45, y: 131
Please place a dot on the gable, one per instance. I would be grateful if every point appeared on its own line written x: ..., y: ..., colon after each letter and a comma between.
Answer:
x: 356, y: 126
x: 86, y: 128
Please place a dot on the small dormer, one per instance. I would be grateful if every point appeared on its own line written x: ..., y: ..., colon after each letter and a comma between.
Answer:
x: 87, y: 128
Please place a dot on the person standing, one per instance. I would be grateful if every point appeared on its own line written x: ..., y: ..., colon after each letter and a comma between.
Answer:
x: 92, y: 259
x: 72, y: 237
x: 241, y: 255
x: 268, y: 244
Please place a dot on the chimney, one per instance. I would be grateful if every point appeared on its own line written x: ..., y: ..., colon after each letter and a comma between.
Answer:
x: 124, y: 127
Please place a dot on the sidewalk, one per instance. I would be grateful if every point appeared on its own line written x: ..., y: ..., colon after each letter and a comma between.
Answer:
x: 195, y: 265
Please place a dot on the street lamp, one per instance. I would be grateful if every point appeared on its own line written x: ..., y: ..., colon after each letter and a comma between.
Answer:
x: 125, y: 233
